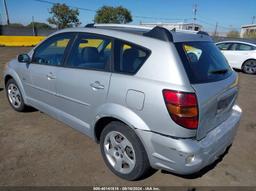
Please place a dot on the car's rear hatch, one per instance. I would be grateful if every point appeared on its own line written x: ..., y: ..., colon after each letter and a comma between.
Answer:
x: 214, y: 82
x: 215, y: 101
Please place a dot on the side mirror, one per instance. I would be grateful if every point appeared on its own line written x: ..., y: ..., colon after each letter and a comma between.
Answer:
x: 24, y: 58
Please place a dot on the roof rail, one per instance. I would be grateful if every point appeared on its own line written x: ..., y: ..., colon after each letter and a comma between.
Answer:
x: 157, y: 32
x: 121, y: 26
x: 90, y: 25
x: 160, y: 33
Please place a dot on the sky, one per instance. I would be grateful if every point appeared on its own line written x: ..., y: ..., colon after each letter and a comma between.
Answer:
x: 229, y: 14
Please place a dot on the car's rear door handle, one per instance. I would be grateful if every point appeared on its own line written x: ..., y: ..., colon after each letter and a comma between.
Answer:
x: 96, y: 85
x: 50, y: 76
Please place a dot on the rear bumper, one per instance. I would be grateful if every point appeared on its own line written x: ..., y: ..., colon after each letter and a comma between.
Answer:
x: 186, y: 156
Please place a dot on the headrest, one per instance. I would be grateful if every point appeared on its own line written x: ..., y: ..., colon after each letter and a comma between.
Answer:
x: 90, y: 54
x: 129, y: 60
x: 131, y: 53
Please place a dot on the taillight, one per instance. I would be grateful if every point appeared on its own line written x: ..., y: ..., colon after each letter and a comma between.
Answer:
x: 182, y: 107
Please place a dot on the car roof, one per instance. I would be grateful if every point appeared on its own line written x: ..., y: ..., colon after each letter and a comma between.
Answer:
x: 132, y: 31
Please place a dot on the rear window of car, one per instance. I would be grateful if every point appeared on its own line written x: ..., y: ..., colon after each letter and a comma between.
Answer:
x: 203, y: 62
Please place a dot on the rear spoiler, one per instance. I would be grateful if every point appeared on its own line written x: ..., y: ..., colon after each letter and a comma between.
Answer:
x: 160, y: 33
x: 164, y: 34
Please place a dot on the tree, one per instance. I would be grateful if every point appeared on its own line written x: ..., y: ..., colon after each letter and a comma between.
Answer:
x: 63, y: 16
x: 233, y: 34
x: 108, y: 14
x: 39, y: 25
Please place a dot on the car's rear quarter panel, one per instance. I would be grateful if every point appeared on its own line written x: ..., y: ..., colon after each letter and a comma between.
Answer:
x: 162, y: 70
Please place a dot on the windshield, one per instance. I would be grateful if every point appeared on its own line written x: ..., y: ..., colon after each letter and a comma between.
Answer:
x: 203, y: 62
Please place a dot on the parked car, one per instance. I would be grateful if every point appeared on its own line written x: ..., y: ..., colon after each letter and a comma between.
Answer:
x: 152, y: 98
x: 240, y: 55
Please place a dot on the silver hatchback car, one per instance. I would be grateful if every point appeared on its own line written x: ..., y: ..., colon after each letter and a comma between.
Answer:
x: 152, y: 98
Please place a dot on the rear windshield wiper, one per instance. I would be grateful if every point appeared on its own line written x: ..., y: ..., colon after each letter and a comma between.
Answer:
x: 222, y: 71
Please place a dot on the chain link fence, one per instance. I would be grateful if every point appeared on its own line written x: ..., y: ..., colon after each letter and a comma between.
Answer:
x: 24, y: 31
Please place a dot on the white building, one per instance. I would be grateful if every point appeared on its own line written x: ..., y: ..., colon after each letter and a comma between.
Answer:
x: 179, y: 26
x: 247, y: 29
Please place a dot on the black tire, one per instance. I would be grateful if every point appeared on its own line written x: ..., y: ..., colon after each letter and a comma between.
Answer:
x: 21, y: 107
x: 142, y: 166
x: 246, y: 66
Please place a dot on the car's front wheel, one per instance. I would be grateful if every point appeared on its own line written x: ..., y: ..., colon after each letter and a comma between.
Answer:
x: 14, y: 95
x: 249, y: 67
x: 123, y: 152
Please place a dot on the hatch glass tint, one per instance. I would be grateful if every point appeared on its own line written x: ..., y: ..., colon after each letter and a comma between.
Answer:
x: 203, y: 62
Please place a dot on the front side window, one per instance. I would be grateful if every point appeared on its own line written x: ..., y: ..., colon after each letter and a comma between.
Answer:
x: 51, y: 52
x: 91, y: 52
x: 129, y: 57
x: 224, y: 46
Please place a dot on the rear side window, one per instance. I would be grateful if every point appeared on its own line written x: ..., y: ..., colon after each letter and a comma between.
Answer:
x: 129, y: 57
x: 203, y: 62
x: 243, y: 47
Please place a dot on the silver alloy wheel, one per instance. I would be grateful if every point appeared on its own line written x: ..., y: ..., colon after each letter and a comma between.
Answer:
x: 250, y: 67
x: 14, y: 95
x: 119, y: 152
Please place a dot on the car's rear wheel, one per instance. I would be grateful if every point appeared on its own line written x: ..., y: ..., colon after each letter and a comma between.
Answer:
x: 14, y: 96
x: 249, y: 67
x: 123, y: 152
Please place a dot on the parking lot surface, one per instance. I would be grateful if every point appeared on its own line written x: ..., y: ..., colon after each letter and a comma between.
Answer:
x: 37, y: 150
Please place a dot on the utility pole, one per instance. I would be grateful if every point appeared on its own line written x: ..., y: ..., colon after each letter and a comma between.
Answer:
x: 253, y: 19
x: 194, y: 18
x: 216, y: 29
x: 1, y: 22
x: 6, y: 12
x: 33, y: 26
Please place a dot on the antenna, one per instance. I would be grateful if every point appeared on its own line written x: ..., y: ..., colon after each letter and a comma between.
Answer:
x: 253, y: 19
